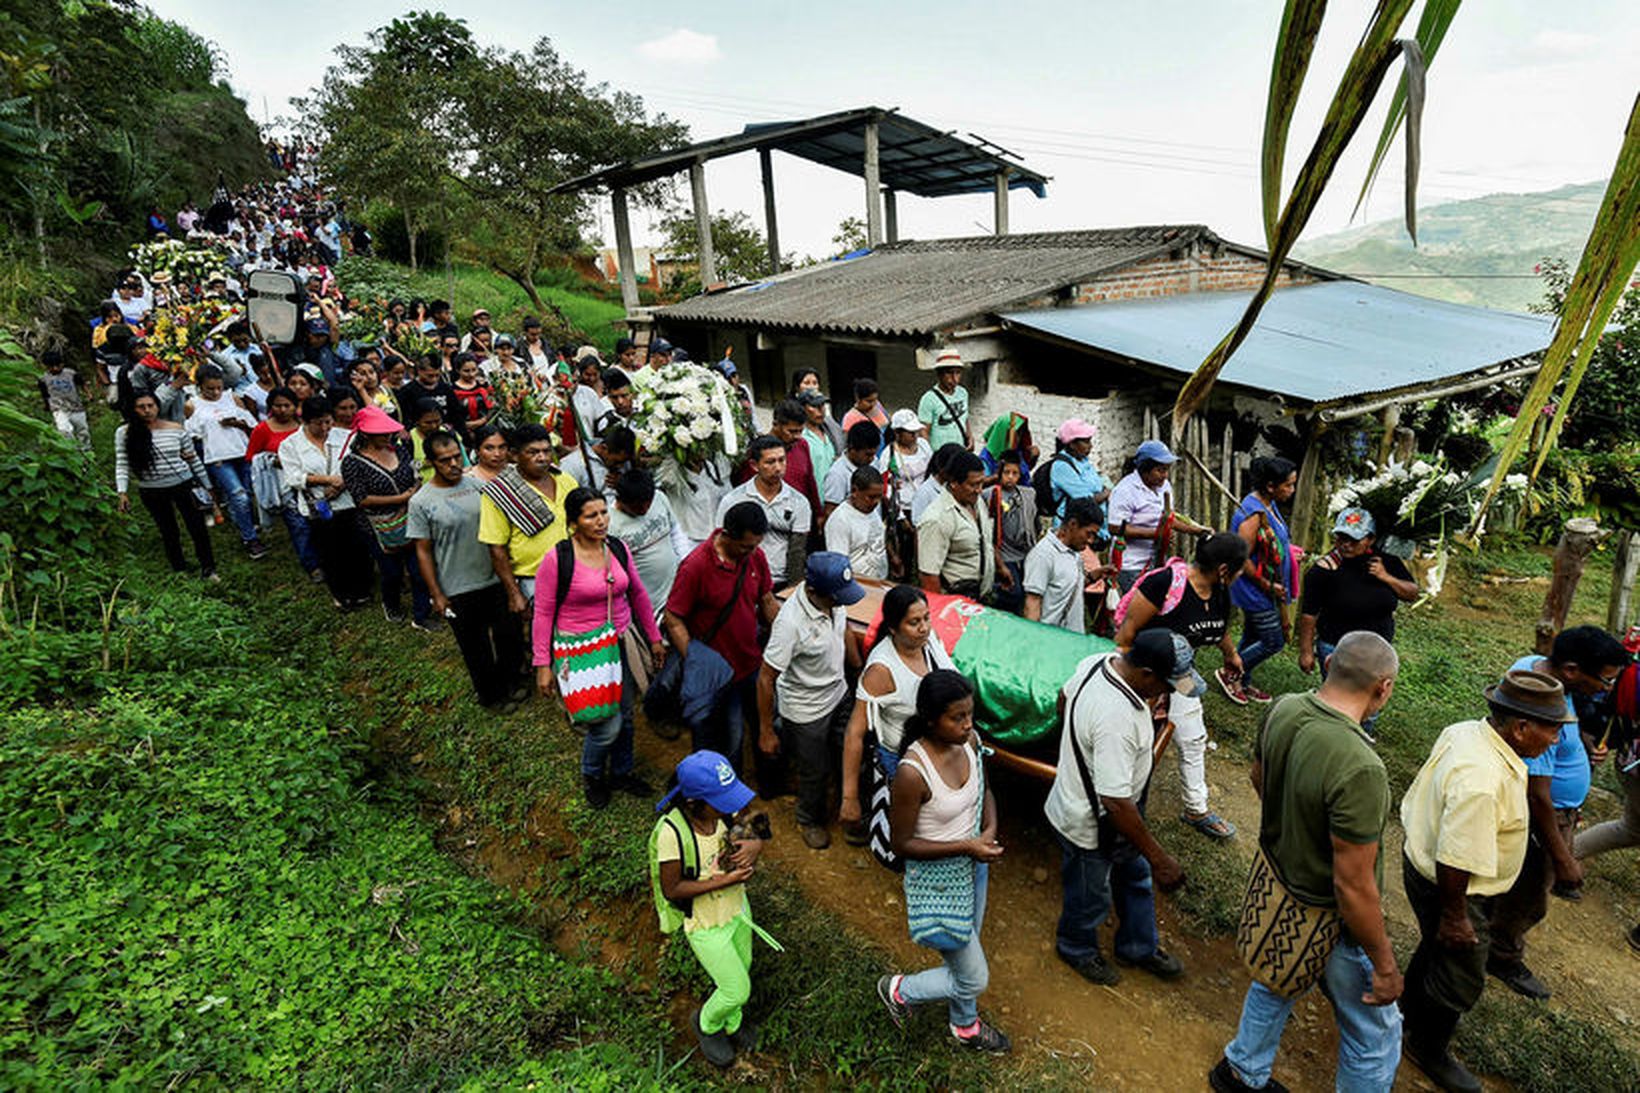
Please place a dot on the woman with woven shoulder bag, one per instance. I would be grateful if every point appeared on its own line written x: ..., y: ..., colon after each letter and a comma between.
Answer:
x: 944, y: 824
x: 577, y: 636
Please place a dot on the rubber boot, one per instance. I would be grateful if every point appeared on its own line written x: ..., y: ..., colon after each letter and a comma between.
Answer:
x: 1427, y: 1041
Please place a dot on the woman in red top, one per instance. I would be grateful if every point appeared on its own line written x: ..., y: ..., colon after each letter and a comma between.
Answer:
x: 476, y: 396
x: 279, y: 424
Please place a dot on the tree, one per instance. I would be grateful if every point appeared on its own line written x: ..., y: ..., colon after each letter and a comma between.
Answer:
x: 850, y: 237
x: 390, y: 115
x: 534, y: 121
x: 741, y: 251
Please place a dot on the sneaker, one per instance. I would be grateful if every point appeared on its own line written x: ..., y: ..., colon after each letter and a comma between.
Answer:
x: 257, y: 549
x: 1568, y: 892
x: 597, y: 795
x: 633, y: 784
x: 208, y: 575
x: 744, y: 1038
x: 984, y: 1038
x: 1095, y: 969
x: 1440, y: 1067
x: 1223, y: 1079
x: 713, y: 1045
x: 1162, y: 965
x: 392, y: 614
x: 898, y: 1011
x: 1230, y: 683
x: 1518, y: 978
x: 432, y: 624
x: 857, y: 833
x: 1254, y: 694
x: 815, y: 837
x: 317, y: 576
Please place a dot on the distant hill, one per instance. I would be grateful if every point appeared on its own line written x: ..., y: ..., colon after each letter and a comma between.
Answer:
x: 1497, y: 234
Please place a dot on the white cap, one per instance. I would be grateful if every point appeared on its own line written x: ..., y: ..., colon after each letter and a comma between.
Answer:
x: 905, y: 419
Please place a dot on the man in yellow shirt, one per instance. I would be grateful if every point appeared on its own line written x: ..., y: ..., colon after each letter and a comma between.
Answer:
x: 1466, y: 822
x: 521, y: 515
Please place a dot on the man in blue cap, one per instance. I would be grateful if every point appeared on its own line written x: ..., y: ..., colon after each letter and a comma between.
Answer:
x: 660, y: 353
x: 1140, y: 513
x: 803, y: 680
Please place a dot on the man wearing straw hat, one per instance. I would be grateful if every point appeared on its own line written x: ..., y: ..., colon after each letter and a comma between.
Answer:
x: 1467, y: 821
x: 943, y: 409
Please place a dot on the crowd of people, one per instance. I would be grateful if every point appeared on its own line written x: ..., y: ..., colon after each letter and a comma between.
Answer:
x: 566, y: 562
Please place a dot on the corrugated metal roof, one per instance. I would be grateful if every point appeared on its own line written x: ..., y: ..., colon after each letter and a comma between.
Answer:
x: 1316, y: 343
x: 912, y: 156
x: 920, y: 286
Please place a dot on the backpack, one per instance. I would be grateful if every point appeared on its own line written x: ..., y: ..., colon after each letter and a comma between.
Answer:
x: 1175, y: 591
x: 566, y: 571
x: 672, y: 913
x: 1042, y: 483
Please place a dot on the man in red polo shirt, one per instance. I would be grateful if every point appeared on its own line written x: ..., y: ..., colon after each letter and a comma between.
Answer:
x: 720, y: 588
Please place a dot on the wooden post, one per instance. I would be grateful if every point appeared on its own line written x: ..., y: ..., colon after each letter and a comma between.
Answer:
x: 1226, y: 442
x: 1406, y: 442
x: 874, y: 189
x: 773, y: 229
x: 1001, y: 200
x: 891, y: 215
x: 1389, y: 417
x: 1579, y: 538
x: 1620, y: 608
x: 703, y: 224
x: 623, y: 252
x: 1305, y: 502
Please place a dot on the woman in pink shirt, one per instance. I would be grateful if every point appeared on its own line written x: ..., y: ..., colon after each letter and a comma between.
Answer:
x: 603, y: 588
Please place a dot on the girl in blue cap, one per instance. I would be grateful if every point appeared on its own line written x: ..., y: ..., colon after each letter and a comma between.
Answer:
x: 698, y: 876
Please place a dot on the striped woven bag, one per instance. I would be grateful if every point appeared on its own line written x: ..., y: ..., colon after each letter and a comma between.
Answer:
x: 589, y: 667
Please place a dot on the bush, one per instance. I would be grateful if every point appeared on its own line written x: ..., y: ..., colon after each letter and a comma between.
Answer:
x: 392, y: 242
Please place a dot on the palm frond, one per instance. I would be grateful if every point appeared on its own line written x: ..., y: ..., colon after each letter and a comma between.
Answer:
x: 1300, y: 25
x: 1432, y: 27
x: 1609, y: 260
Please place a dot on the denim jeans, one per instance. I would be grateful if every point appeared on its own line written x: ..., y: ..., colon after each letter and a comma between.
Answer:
x: 300, y: 540
x: 1095, y: 882
x: 963, y: 976
x: 1323, y: 653
x: 607, y: 750
x: 1261, y: 639
x: 397, y: 566
x: 725, y: 728
x: 233, y: 478
x: 1369, y: 1037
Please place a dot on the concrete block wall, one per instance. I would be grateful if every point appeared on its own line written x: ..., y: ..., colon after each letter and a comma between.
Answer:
x: 1191, y: 272
x: 1119, y: 419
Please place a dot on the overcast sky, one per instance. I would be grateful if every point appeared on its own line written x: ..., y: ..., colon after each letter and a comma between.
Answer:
x: 1141, y: 112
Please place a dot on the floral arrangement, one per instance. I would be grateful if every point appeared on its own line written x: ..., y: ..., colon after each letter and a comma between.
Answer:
x: 1419, y: 501
x: 363, y: 321
x: 684, y: 412
x: 181, y: 263
x: 413, y: 343
x: 184, y: 334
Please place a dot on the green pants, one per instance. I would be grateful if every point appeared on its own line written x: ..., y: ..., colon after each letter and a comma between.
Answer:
x: 726, y: 954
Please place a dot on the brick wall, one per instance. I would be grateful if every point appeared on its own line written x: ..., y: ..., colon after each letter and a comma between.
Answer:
x: 1194, y: 271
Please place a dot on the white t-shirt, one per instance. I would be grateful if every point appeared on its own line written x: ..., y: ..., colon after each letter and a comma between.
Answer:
x: 806, y: 648
x: 219, y: 441
x: 860, y: 536
x: 1133, y: 502
x: 1114, y: 727
x: 838, y: 483
x: 789, y: 516
x: 1054, y: 572
x: 695, y: 496
x: 657, y: 545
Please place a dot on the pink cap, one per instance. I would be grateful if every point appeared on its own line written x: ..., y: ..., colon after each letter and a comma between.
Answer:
x: 374, y: 421
x: 1075, y: 429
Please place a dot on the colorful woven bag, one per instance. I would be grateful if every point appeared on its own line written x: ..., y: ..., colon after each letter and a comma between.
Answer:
x: 588, y: 666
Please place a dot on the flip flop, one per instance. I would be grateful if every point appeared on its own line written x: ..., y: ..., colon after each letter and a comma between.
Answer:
x: 1212, y: 825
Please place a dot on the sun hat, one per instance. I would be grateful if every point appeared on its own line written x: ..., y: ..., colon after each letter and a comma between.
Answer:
x: 1075, y: 429
x: 905, y: 419
x: 707, y: 776
x: 1534, y: 695
x: 1154, y: 451
x: 947, y: 358
x: 374, y: 421
x: 1355, y: 523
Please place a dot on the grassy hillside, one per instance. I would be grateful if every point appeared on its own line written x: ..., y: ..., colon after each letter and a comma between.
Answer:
x: 1481, y: 252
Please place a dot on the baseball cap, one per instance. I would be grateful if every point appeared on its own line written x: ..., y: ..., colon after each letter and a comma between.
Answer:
x: 828, y: 574
x: 503, y: 339
x: 811, y: 398
x: 477, y: 311
x: 1168, y: 655
x: 311, y: 371
x: 679, y: 354
x: 1154, y: 451
x: 727, y: 367
x: 905, y: 419
x: 1356, y: 523
x: 707, y: 776
x: 1075, y: 429
x: 660, y: 345
x: 318, y: 326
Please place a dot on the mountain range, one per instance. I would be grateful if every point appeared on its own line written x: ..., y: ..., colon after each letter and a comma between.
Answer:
x: 1484, y: 251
